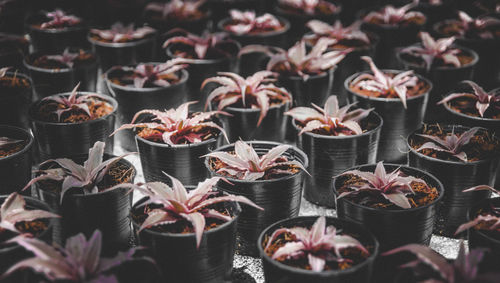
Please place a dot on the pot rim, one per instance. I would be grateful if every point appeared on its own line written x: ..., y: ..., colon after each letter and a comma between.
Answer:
x: 311, y: 77
x: 301, y: 271
x: 176, y: 146
x: 68, y: 69
x: 26, y: 148
x: 145, y: 39
x: 254, y: 110
x: 475, y: 59
x: 23, y: 75
x: 81, y: 26
x: 460, y: 114
x: 285, y: 29
x: 437, y: 25
x: 474, y: 209
x: 236, y: 181
x: 374, y: 40
x: 439, y: 187
x: 169, y: 53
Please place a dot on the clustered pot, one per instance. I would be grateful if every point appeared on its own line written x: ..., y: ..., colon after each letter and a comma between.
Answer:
x: 275, y: 271
x: 15, y: 169
x: 331, y: 155
x: 280, y: 198
x: 15, y: 101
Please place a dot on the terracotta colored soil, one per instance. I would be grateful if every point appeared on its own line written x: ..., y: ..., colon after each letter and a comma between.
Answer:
x: 11, y: 149
x: 365, y: 126
x: 420, y: 88
x: 124, y: 39
x: 126, y: 78
x: 467, y: 106
x: 411, y: 21
x: 97, y: 107
x: 8, y: 82
x: 35, y: 228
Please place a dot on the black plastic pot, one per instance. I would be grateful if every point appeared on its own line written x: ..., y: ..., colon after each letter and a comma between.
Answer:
x: 280, y: 198
x: 332, y: 155
x: 196, y: 26
x: 393, y: 228
x: 443, y: 80
x: 70, y: 139
x: 275, y: 271
x: 315, y: 89
x: 13, y: 48
x: 111, y: 54
x: 456, y: 177
x: 55, y: 40
x: 181, y: 262
x: 398, y: 121
x: 132, y: 100
x: 14, y: 103
x: 243, y: 123
x: 15, y: 169
x: 107, y: 211
x: 436, y: 13
x: 181, y: 161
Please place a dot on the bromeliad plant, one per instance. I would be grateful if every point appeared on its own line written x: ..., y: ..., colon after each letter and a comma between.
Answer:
x: 176, y: 126
x: 337, y: 31
x: 479, y: 25
x: 79, y: 261
x: 177, y: 204
x: 122, y: 33
x: 59, y: 19
x: 75, y: 176
x: 452, y: 144
x: 331, y: 120
x: 66, y: 57
x: 385, y: 84
x: 246, y: 164
x: 3, y: 71
x: 247, y: 22
x: 491, y: 220
x: 319, y: 244
x: 392, y: 186
x: 160, y: 75
x: 310, y: 7
x: 256, y: 91
x: 391, y: 15
x: 484, y: 100
x: 296, y: 61
x: 13, y: 211
x: 432, y: 50
x: 176, y: 9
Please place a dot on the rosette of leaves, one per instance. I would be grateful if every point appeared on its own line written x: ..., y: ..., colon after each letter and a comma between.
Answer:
x: 296, y: 61
x: 176, y: 126
x: 159, y: 75
x: 390, y: 15
x: 122, y: 33
x: 484, y: 100
x: 175, y: 204
x: 256, y: 91
x: 318, y: 244
x: 246, y: 164
x: 248, y: 22
x: 78, y: 261
x: 337, y: 31
x: 310, y: 7
x: 386, y: 84
x: 481, y: 26
x: 59, y: 19
x: 66, y: 58
x: 176, y: 9
x: 488, y: 221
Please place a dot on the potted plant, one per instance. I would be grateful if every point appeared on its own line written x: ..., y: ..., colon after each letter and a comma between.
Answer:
x: 207, y: 55
x: 481, y: 35
x: 79, y: 260
x: 299, y: 12
x: 95, y: 195
x: 145, y: 86
x: 334, y: 139
x: 396, y: 27
x: 52, y: 32
x: 13, y: 48
x: 400, y: 97
x: 21, y: 217
x: 172, y: 141
x: 256, y: 106
x: 123, y: 45
x: 269, y: 174
x: 445, y: 65
x: 398, y: 207
x: 15, y: 158
x: 221, y: 8
x: 58, y: 73
x: 196, y: 224
x: 459, y: 157
x: 68, y: 124
x: 16, y: 92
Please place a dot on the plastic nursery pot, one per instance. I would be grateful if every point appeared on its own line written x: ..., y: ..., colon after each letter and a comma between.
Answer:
x: 111, y: 54
x: 201, y: 69
x: 444, y: 78
x: 332, y: 155
x: 436, y: 12
x: 107, y: 211
x: 314, y: 89
x: 69, y: 139
x: 181, y: 161
x: 220, y: 8
x: 243, y: 123
x: 393, y: 228
x: 275, y: 271
x: 13, y: 48
x: 132, y: 100
x: 456, y: 176
x: 55, y: 40
x: 180, y: 261
x: 398, y: 121
x: 15, y: 169
x: 15, y: 100
x: 279, y: 197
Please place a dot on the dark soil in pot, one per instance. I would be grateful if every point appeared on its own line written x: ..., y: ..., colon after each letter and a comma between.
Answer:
x: 443, y: 77
x: 398, y: 121
x: 107, y: 210
x: 280, y: 197
x: 457, y: 176
x: 13, y: 48
x: 132, y: 99
x: 16, y: 93
x: 15, y: 160
x: 275, y: 271
x: 175, y: 252
x: 75, y: 132
x: 331, y: 155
